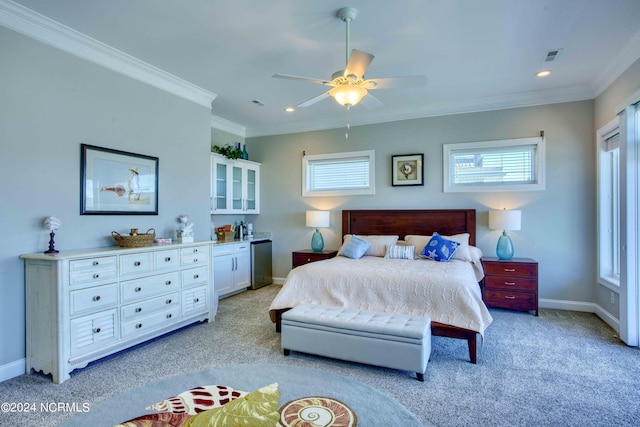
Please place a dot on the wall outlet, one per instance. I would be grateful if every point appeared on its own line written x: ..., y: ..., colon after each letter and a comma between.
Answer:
x: 613, y: 298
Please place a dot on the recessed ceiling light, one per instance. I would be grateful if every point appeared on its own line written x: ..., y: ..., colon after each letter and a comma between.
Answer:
x: 543, y: 73
x: 289, y: 109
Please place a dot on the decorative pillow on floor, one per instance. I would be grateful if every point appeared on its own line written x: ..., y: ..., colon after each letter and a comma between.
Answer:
x: 439, y: 248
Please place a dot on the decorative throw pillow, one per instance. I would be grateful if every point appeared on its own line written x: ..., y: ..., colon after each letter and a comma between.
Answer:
x: 439, y: 248
x: 400, y: 252
x: 378, y: 243
x: 354, y: 248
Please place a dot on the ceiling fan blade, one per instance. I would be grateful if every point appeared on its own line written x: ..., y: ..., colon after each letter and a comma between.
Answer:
x: 358, y: 63
x: 370, y: 102
x: 313, y: 100
x: 303, y: 79
x: 396, y: 82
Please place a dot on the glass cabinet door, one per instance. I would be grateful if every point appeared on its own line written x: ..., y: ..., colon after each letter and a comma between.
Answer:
x: 236, y: 188
x: 220, y: 187
x: 251, y: 190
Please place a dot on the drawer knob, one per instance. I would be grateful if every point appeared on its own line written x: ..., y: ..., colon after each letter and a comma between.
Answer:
x: 168, y: 282
x: 196, y: 300
x: 169, y: 315
x: 95, y: 263
x: 139, y: 325
x: 96, y: 330
x: 138, y: 309
x: 509, y: 270
x: 95, y: 276
x: 195, y: 250
x: 96, y: 298
x: 167, y: 259
x: 195, y: 276
x: 195, y: 260
x: 168, y: 301
x: 308, y: 259
x: 138, y: 289
x: 137, y: 263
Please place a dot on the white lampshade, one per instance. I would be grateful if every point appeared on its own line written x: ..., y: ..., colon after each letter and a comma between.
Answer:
x: 504, y: 220
x: 317, y: 219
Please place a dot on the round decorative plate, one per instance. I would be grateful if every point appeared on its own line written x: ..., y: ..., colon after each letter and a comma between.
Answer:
x: 317, y: 411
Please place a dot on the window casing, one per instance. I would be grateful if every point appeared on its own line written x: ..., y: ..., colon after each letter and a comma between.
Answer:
x: 339, y: 174
x: 506, y: 165
x: 609, y: 204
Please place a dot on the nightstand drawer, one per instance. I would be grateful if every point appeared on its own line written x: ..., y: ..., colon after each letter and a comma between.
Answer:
x: 510, y: 269
x: 511, y: 283
x: 510, y: 300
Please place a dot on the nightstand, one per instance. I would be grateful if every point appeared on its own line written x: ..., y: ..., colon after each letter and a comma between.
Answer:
x: 305, y: 256
x: 511, y: 284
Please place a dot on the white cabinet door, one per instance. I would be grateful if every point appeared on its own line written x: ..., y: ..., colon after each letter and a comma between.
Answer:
x: 252, y: 188
x: 235, y: 186
x: 223, y: 273
x: 242, y: 271
x: 220, y: 197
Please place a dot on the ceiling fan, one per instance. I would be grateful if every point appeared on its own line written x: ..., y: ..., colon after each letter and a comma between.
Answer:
x: 349, y: 86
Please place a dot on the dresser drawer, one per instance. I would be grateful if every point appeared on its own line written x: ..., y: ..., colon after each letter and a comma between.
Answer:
x: 94, y: 331
x: 136, y: 263
x: 511, y: 283
x: 95, y: 298
x: 511, y: 300
x: 196, y: 255
x: 194, y: 276
x: 167, y: 259
x: 138, y: 289
x: 150, y: 306
x: 511, y: 269
x: 151, y: 322
x: 92, y: 270
x: 195, y: 301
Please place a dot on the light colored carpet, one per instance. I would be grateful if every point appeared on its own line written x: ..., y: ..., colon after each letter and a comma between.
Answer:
x: 561, y: 368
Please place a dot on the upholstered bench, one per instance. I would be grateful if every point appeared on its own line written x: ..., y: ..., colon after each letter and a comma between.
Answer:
x: 383, y: 339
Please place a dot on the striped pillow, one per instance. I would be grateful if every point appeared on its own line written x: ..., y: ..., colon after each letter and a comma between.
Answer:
x: 400, y: 252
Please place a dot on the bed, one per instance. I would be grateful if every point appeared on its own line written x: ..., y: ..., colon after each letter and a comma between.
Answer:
x: 448, y: 292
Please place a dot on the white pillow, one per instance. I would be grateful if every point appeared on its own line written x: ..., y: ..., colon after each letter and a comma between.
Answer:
x: 378, y: 243
x: 462, y: 253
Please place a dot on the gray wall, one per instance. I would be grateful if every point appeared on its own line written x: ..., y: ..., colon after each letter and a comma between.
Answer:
x: 606, y: 108
x: 558, y: 224
x: 52, y: 102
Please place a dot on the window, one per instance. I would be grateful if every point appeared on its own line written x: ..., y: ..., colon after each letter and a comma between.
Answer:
x: 338, y: 174
x: 608, y: 140
x: 507, y: 165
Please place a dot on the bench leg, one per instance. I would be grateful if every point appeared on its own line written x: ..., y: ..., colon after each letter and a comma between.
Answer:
x: 420, y: 376
x: 286, y: 351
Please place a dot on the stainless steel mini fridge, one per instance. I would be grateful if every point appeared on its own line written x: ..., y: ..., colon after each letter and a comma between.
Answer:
x: 261, y: 268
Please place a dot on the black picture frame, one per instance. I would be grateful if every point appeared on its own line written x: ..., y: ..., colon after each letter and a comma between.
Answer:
x: 407, y: 170
x: 115, y: 182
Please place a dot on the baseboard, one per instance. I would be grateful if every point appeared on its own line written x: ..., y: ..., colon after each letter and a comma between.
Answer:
x: 278, y: 280
x: 587, y: 307
x: 13, y: 369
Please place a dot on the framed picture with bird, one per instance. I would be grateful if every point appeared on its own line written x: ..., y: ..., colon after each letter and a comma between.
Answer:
x: 407, y: 169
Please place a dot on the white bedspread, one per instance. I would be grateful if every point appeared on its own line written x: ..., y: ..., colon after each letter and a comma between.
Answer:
x: 447, y: 292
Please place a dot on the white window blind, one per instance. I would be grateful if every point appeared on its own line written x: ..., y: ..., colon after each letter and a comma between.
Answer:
x: 348, y: 173
x: 507, y: 165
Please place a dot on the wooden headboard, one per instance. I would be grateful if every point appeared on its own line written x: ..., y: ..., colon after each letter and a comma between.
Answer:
x: 403, y: 222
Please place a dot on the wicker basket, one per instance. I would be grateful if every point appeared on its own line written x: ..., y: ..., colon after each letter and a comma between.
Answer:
x: 226, y: 235
x: 138, y: 241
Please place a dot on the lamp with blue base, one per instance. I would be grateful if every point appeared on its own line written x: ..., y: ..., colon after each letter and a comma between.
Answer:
x: 317, y: 219
x: 504, y: 220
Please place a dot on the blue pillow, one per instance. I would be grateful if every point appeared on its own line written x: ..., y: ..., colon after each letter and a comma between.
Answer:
x: 439, y: 248
x: 355, y: 248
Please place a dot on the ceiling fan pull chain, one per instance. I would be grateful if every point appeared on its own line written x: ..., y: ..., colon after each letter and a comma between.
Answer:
x: 346, y: 134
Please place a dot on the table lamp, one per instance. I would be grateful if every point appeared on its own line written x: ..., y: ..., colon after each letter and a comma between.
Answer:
x: 504, y: 220
x: 317, y: 219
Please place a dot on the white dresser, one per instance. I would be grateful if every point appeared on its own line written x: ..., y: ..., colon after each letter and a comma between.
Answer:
x: 84, y: 305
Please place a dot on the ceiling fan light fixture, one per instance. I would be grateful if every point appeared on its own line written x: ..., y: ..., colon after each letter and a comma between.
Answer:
x: 348, y: 95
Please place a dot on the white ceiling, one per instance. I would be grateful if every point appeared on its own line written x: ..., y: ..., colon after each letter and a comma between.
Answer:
x: 477, y: 55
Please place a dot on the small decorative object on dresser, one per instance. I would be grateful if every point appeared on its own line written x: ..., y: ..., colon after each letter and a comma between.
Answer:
x: 185, y: 232
x: 305, y: 256
x: 52, y: 224
x: 511, y: 284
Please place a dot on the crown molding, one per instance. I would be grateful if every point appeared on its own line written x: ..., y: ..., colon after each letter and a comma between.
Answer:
x: 32, y: 24
x: 228, y: 126
x: 518, y: 100
x: 629, y: 54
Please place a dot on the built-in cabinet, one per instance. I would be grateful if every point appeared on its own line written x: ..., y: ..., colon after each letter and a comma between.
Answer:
x: 84, y: 305
x: 235, y: 186
x: 231, y: 267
